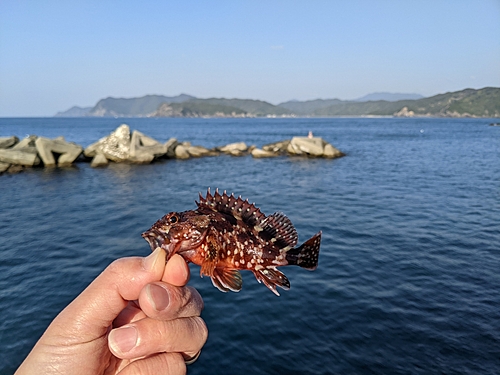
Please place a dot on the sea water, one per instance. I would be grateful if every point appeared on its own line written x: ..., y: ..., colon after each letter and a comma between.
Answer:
x: 408, y: 279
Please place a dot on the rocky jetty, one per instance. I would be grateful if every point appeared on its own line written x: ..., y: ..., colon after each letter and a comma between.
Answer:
x: 299, y: 146
x: 6, y: 142
x: 126, y: 146
x: 186, y: 150
x: 122, y: 146
x: 33, y: 151
x: 47, y: 148
x: 234, y: 149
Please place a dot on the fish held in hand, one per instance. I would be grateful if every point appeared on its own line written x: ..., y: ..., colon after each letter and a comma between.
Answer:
x: 226, y: 234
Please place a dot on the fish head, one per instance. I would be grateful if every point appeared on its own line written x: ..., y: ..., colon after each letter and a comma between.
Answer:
x: 178, y: 232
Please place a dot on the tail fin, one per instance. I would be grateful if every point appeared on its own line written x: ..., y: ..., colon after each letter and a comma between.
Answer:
x: 306, y: 255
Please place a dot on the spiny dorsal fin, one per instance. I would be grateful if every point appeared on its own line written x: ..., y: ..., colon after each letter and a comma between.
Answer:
x: 236, y: 207
x: 226, y: 279
x: 279, y: 229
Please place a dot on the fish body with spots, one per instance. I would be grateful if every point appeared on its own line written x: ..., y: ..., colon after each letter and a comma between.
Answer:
x: 226, y: 234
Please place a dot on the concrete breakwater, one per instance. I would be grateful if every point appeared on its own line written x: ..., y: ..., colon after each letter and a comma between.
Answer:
x: 126, y: 146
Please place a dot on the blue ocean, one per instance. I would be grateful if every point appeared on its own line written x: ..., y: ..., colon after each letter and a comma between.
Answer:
x: 408, y: 280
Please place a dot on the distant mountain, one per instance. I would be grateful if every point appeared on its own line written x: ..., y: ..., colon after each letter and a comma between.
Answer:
x: 307, y: 107
x: 220, y: 107
x: 256, y: 108
x: 133, y: 107
x: 371, y: 108
x: 466, y: 103
x: 387, y: 96
x: 469, y: 102
x: 311, y: 106
x: 197, y: 109
x: 74, y: 112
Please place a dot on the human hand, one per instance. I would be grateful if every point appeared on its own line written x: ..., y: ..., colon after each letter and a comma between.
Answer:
x: 136, y: 317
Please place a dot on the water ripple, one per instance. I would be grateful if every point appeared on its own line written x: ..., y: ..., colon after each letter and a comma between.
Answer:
x: 408, y: 280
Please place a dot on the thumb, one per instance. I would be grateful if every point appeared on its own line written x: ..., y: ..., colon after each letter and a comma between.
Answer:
x: 91, y: 314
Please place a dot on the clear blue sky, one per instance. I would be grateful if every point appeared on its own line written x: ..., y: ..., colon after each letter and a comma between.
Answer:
x: 56, y: 54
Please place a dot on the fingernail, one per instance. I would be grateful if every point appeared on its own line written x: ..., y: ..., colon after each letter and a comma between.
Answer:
x: 123, y: 340
x: 158, y: 297
x: 150, y: 261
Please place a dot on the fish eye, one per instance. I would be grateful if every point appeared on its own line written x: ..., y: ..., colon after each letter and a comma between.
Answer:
x: 173, y: 219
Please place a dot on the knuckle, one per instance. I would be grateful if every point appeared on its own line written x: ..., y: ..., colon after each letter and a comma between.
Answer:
x: 116, y: 266
x: 121, y: 265
x: 183, y: 302
x: 161, y: 363
x: 195, y: 298
x: 201, y: 328
x: 177, y: 298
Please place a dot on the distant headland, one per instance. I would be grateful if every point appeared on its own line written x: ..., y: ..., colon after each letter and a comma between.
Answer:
x: 483, y: 102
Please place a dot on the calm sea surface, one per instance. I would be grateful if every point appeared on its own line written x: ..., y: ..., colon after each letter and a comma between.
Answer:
x: 409, y: 272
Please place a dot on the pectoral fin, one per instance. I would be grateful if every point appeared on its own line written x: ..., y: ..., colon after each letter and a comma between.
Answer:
x: 210, y: 261
x: 207, y: 267
x: 227, y: 279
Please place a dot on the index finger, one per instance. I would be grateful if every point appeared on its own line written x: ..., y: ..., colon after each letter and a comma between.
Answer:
x: 92, y: 312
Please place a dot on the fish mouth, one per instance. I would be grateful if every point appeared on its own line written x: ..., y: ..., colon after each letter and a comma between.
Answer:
x: 156, y: 239
x: 171, y: 244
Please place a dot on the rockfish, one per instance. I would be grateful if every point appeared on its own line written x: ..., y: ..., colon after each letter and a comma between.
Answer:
x: 226, y: 234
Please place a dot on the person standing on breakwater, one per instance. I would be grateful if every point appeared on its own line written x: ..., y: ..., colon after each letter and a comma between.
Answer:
x: 138, y: 316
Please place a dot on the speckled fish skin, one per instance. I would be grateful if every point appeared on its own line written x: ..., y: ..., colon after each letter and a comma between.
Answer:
x: 226, y: 234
